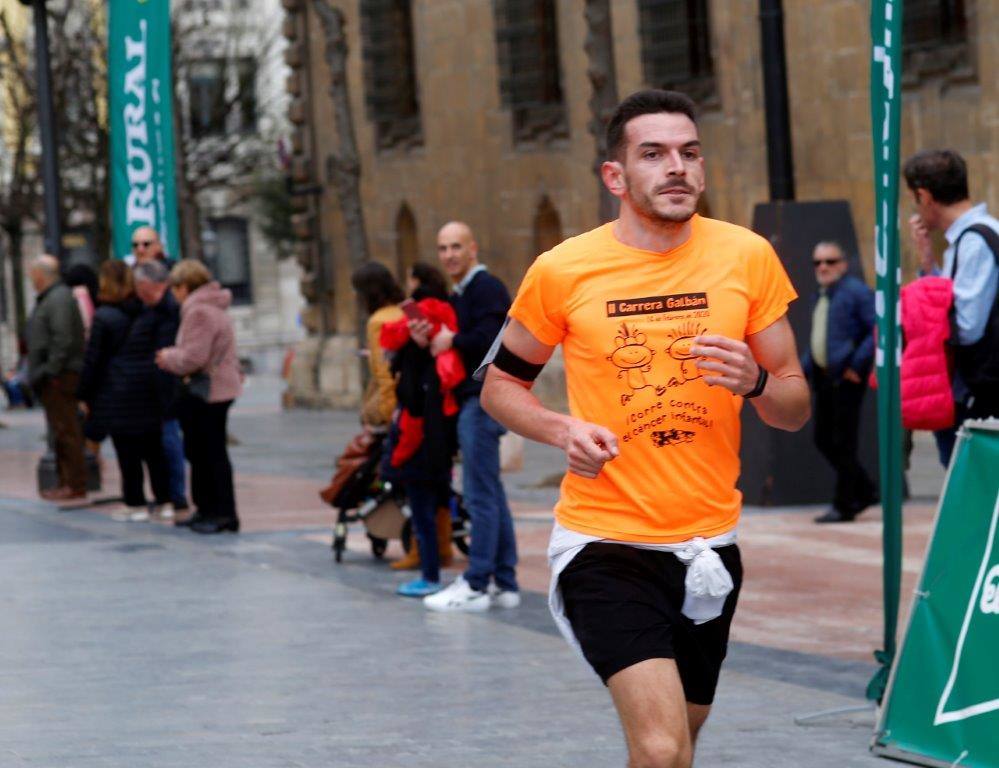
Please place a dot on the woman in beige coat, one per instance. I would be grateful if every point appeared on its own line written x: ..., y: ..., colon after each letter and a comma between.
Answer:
x: 380, y: 294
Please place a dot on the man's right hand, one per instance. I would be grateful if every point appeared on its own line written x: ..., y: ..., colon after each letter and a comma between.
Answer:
x: 924, y: 245
x: 588, y: 447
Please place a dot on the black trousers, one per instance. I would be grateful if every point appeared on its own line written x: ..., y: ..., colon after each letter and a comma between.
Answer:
x: 837, y: 421
x: 204, y: 426
x: 984, y: 405
x: 133, y: 451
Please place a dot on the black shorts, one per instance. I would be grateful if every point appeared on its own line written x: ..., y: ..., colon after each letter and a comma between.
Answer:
x: 624, y: 606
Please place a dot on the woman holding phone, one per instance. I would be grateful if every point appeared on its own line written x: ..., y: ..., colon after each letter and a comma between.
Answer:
x: 423, y: 440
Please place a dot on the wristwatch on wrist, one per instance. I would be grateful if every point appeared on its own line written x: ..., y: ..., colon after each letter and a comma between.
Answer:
x: 761, y: 383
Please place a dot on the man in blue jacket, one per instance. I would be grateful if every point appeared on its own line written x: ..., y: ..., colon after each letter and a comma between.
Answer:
x: 838, y: 361
x: 152, y: 284
x: 481, y: 302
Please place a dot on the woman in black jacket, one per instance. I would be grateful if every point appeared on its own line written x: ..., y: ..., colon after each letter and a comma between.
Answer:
x: 426, y: 474
x: 119, y: 393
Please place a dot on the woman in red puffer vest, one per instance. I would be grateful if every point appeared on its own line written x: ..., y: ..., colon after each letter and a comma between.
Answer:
x: 927, y: 396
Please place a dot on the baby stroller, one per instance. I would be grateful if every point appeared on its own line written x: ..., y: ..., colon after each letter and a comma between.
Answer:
x: 358, y: 493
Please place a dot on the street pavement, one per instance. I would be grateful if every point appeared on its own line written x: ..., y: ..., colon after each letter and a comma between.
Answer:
x: 143, y: 645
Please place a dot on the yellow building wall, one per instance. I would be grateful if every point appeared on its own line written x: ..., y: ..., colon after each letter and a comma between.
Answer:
x: 19, y: 21
x: 469, y: 168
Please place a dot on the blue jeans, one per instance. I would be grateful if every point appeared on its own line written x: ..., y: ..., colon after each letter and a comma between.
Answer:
x: 173, y: 450
x: 493, y: 548
x: 423, y: 502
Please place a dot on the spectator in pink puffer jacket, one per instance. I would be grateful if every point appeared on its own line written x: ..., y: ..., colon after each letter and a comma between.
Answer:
x: 205, y: 359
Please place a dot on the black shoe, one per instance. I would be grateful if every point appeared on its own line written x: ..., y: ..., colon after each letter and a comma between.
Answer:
x: 187, y: 521
x: 836, y: 516
x: 216, y: 526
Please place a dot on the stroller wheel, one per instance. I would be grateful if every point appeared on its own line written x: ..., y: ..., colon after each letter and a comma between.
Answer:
x: 378, y: 546
x: 339, y: 545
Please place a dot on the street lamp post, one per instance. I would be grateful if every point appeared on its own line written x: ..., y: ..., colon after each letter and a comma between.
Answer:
x: 47, y: 131
x: 48, y: 476
x: 780, y: 163
x: 783, y: 467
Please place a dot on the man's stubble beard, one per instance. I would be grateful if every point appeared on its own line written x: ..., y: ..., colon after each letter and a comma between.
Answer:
x: 644, y: 206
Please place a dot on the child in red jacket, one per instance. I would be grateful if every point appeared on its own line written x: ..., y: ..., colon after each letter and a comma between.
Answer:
x: 449, y: 367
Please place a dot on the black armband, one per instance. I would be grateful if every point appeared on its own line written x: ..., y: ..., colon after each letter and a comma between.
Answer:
x: 515, y: 365
x: 761, y: 383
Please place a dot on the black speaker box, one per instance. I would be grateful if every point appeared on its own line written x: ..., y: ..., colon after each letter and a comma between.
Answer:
x: 785, y: 468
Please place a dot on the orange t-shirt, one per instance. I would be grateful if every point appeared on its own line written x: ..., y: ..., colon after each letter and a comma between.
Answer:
x: 626, y: 319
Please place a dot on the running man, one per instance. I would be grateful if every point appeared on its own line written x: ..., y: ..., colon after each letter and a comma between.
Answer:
x: 667, y: 321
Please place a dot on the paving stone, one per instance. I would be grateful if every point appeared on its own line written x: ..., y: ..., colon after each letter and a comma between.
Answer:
x: 130, y: 646
x: 135, y: 645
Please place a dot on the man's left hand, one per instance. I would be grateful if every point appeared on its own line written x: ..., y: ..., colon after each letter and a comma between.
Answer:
x: 851, y: 375
x: 731, y: 360
x: 442, y: 342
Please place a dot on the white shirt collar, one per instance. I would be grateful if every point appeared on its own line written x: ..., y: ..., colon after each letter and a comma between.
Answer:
x: 463, y: 284
x: 964, y: 221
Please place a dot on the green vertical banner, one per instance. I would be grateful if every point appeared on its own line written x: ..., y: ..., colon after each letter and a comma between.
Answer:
x: 886, y: 112
x: 143, y: 189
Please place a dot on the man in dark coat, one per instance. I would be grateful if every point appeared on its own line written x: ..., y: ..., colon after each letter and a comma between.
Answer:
x: 55, y: 358
x: 481, y: 302
x: 118, y: 384
x: 152, y: 283
x: 838, y: 361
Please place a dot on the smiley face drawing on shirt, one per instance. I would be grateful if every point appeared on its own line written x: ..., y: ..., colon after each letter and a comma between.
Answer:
x: 681, y: 340
x: 633, y: 358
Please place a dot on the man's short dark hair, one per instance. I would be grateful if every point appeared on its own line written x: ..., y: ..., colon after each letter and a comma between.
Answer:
x: 941, y: 172
x: 648, y: 102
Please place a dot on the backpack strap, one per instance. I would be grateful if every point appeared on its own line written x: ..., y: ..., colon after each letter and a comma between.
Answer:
x: 990, y: 236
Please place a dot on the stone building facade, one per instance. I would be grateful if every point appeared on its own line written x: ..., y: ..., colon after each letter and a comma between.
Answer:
x: 232, y: 103
x: 480, y: 110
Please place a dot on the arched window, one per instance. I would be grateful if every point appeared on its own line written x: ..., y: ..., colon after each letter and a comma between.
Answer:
x: 530, y: 73
x: 390, y: 72
x: 407, y: 249
x: 547, y: 227
x: 676, y: 46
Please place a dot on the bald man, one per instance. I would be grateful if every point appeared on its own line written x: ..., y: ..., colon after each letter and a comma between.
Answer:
x: 55, y: 358
x: 147, y: 246
x: 481, y: 302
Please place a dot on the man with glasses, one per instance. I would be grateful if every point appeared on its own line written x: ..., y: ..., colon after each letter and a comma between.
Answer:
x: 146, y: 246
x: 838, y: 361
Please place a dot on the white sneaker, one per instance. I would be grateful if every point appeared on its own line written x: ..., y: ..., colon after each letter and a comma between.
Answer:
x: 165, y: 512
x: 458, y: 596
x: 131, y: 515
x: 502, y: 598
